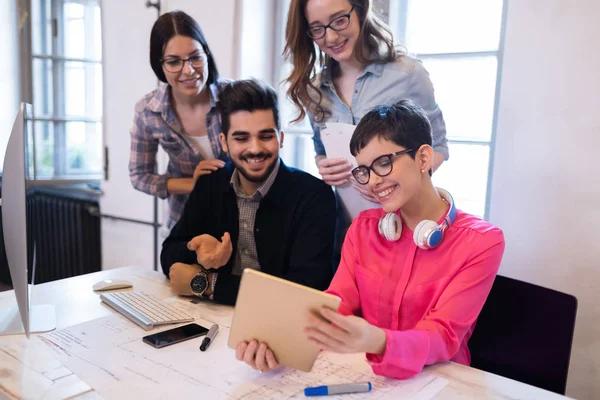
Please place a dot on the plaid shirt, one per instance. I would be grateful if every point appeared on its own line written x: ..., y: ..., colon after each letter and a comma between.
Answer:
x: 246, y: 254
x: 155, y: 124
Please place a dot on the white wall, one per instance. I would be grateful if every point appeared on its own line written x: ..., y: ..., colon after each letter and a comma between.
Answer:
x: 257, y: 39
x: 217, y: 20
x: 127, y: 77
x: 545, y: 187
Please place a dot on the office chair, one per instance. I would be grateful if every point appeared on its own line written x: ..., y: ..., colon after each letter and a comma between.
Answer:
x: 525, y: 332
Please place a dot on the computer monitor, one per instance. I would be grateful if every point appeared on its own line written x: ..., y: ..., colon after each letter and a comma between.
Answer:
x: 24, y: 317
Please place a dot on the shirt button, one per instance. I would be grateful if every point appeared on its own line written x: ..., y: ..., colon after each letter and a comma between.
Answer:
x: 356, y: 91
x: 246, y: 252
x: 245, y: 225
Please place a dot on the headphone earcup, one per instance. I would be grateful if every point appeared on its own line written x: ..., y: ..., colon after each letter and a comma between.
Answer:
x: 390, y: 227
x: 427, y: 234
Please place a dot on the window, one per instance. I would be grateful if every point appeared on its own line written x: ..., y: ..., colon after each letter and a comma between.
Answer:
x: 66, y: 54
x: 459, y: 43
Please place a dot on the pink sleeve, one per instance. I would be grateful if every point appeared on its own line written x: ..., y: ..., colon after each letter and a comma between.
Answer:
x: 343, y: 284
x: 439, y: 335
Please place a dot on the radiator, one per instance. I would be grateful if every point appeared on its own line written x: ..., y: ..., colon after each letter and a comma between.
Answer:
x: 65, y: 231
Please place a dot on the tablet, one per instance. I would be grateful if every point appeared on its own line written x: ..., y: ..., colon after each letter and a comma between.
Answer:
x: 275, y: 311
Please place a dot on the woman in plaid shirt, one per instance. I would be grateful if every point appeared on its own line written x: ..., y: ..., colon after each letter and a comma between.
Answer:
x: 180, y: 115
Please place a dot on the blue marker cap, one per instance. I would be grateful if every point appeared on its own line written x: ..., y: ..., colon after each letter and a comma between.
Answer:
x: 338, y: 389
x: 316, y: 391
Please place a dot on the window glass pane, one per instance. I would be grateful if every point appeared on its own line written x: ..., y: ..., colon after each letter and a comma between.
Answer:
x: 74, y: 30
x: 44, y: 149
x: 82, y: 35
x: 74, y: 89
x: 465, y: 176
x: 41, y: 27
x: 442, y: 26
x: 83, y: 89
x: 298, y: 152
x: 43, y: 103
x: 84, y: 148
x: 465, y: 91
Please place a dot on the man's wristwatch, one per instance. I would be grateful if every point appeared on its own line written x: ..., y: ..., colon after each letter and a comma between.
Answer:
x: 199, y: 283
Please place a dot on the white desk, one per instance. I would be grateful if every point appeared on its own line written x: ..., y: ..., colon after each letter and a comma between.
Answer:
x: 28, y: 370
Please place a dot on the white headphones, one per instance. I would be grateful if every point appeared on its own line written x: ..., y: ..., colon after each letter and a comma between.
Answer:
x: 428, y: 234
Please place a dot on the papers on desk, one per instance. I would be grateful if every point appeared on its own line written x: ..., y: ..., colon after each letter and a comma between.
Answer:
x: 336, y: 139
x: 109, y: 355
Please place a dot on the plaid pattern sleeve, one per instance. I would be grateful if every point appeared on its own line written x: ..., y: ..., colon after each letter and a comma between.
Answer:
x: 156, y: 125
x: 142, y: 161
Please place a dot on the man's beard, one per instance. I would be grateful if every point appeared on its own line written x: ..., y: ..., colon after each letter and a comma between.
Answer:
x: 255, y: 179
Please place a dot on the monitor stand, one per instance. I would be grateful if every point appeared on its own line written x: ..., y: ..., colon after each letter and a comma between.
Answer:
x: 42, y: 318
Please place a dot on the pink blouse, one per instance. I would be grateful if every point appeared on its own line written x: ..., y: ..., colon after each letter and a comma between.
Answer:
x: 427, y: 301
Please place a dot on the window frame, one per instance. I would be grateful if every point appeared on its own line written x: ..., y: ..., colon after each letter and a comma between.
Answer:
x: 57, y: 117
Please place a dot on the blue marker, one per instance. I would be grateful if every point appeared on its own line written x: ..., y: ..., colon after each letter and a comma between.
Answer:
x: 338, y: 389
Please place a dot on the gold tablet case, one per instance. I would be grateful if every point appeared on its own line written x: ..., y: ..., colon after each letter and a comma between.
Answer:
x: 275, y: 311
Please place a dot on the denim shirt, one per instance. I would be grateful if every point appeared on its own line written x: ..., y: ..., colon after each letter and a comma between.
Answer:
x: 382, y: 84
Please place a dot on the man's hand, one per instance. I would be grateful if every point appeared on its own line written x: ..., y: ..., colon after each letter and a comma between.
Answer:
x: 181, y: 276
x: 258, y: 356
x: 345, y: 333
x: 211, y: 253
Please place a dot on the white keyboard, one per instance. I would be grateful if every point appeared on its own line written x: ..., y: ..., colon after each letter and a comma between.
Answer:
x: 144, y: 309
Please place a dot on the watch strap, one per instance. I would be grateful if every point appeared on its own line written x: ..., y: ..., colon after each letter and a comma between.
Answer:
x: 212, y: 281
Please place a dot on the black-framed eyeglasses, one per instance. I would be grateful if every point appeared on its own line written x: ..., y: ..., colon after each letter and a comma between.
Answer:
x: 176, y: 64
x: 338, y: 24
x: 381, y: 166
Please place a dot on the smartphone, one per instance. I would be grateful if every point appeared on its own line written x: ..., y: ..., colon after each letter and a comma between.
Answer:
x: 175, y: 335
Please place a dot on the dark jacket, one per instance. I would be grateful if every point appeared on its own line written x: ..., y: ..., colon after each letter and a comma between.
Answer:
x: 293, y: 230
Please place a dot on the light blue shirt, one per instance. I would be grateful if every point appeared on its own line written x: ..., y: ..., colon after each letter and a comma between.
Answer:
x: 382, y: 84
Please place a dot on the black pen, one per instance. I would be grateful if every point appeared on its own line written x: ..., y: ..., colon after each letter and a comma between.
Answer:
x: 210, y: 336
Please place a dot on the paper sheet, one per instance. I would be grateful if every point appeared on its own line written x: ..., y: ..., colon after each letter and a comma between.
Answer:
x: 109, y: 355
x: 336, y: 139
